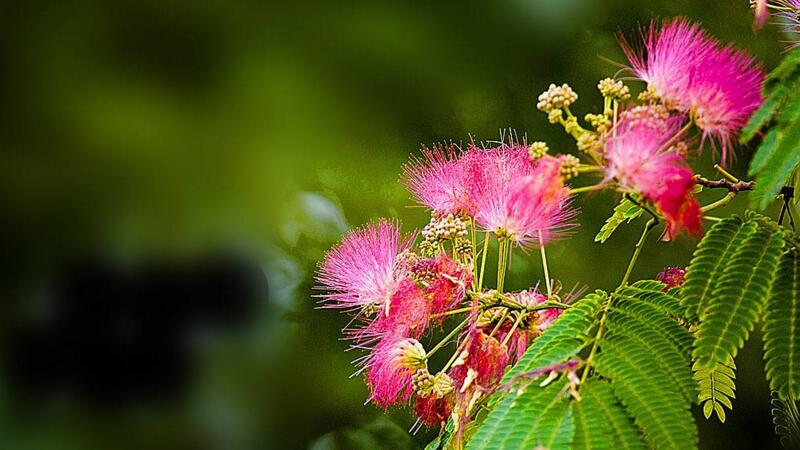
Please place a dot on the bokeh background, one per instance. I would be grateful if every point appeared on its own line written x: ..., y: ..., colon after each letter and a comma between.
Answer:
x: 171, y: 172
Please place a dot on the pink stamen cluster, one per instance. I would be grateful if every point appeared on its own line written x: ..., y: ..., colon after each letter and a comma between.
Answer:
x: 694, y: 74
x: 643, y: 159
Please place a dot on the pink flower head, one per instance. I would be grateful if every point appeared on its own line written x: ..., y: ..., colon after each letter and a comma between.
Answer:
x: 490, y: 171
x: 433, y: 411
x: 725, y: 92
x: 437, y: 180
x: 695, y: 74
x: 544, y: 317
x: 407, y: 315
x: 390, y: 369
x: 483, y: 361
x: 449, y: 285
x: 363, y: 269
x: 672, y: 277
x: 531, y: 210
x: 641, y: 160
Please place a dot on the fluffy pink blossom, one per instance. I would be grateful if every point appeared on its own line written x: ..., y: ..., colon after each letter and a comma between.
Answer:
x: 544, y: 317
x: 363, y: 269
x: 524, y: 207
x: 642, y: 160
x: 408, y: 314
x: 437, y: 180
x: 390, y: 369
x: 691, y: 72
x: 449, y: 283
x: 490, y: 171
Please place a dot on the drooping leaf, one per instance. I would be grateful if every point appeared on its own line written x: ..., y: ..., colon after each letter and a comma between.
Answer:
x: 738, y: 297
x: 716, y: 388
x: 782, y: 328
x: 786, y: 418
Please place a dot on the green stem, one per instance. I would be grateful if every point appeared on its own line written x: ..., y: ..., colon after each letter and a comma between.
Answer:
x: 544, y: 265
x: 458, y: 311
x: 483, y: 260
x: 502, y: 262
x: 499, y: 322
x: 647, y: 227
x: 721, y: 202
x: 449, y: 336
x: 594, y: 187
x: 596, y: 343
x: 725, y: 173
x: 520, y: 316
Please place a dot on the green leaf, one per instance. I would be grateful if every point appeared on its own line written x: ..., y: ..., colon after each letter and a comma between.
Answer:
x: 776, y: 167
x: 736, y: 302
x: 765, y: 151
x: 782, y: 328
x: 647, y: 393
x: 601, y: 422
x: 626, y: 210
x: 786, y: 419
x: 564, y: 338
x: 786, y: 72
x: 534, y: 417
x: 716, y: 387
x: 666, y: 343
x: 708, y: 262
x: 764, y: 113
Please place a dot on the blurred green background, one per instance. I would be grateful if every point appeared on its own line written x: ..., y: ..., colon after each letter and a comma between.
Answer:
x: 171, y: 130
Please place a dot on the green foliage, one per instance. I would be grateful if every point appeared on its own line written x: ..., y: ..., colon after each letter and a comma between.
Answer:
x: 779, y: 152
x: 786, y: 418
x: 716, y: 387
x: 708, y: 263
x: 626, y: 210
x: 601, y: 422
x: 639, y: 396
x: 528, y: 418
x: 782, y: 328
x: 737, y: 297
x: 564, y: 339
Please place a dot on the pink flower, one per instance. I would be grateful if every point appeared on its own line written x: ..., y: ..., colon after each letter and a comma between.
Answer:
x: 691, y: 72
x: 449, y: 284
x: 725, y: 92
x: 544, y: 317
x: 363, y: 269
x: 437, y: 180
x: 484, y: 362
x: 672, y: 277
x: 490, y: 171
x: 433, y: 411
x: 641, y: 160
x: 407, y: 315
x: 390, y: 369
x: 523, y: 208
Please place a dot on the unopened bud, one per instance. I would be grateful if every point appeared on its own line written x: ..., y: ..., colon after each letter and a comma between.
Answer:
x: 537, y: 150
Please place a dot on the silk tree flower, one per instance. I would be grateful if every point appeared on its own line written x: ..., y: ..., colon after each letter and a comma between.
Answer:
x: 530, y: 207
x: 438, y: 181
x: 490, y: 170
x: 433, y: 411
x: 642, y: 160
x: 789, y: 13
x: 444, y: 281
x: 693, y: 73
x: 362, y: 270
x: 390, y: 369
x: 482, y: 361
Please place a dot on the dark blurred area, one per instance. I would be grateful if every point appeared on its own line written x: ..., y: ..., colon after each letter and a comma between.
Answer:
x: 171, y: 172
